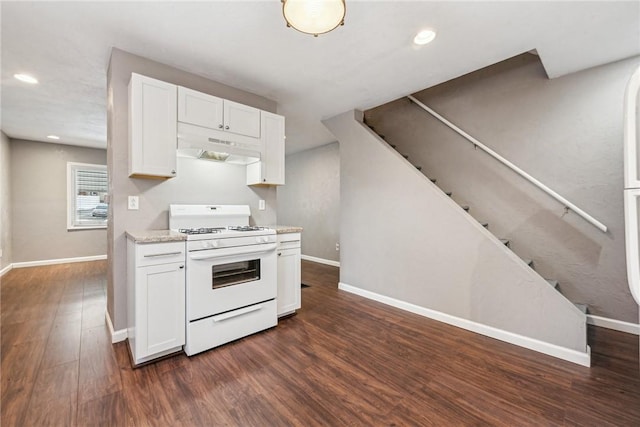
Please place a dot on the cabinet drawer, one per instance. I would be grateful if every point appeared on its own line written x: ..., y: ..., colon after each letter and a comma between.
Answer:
x: 223, y: 328
x: 288, y: 241
x: 159, y: 253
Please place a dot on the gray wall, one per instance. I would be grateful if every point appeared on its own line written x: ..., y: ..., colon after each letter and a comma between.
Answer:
x: 5, y: 207
x: 567, y: 133
x: 311, y: 199
x: 39, y: 203
x: 197, y: 181
x: 403, y: 238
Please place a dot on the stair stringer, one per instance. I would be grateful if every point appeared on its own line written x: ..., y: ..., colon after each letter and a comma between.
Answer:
x: 403, y: 239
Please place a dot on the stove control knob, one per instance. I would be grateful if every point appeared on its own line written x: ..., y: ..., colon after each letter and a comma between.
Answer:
x: 210, y: 244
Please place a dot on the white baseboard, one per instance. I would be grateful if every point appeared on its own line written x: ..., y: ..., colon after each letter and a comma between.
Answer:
x: 6, y: 270
x: 554, y: 350
x: 320, y: 260
x: 618, y: 325
x: 58, y: 261
x: 116, y: 336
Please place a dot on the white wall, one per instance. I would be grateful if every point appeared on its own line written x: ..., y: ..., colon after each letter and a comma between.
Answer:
x: 198, y: 181
x: 566, y: 132
x: 39, y: 203
x: 6, y: 226
x: 311, y: 199
x: 401, y: 237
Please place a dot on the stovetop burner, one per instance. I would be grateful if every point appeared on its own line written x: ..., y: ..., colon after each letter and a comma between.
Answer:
x: 214, y: 230
x: 246, y: 228
x: 201, y: 230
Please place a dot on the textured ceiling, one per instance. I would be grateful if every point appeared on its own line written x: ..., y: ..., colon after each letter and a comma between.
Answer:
x: 367, y: 62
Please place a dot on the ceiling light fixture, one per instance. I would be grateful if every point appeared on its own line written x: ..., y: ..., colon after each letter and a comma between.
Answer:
x: 26, y: 78
x: 424, y: 37
x: 56, y: 137
x: 314, y: 16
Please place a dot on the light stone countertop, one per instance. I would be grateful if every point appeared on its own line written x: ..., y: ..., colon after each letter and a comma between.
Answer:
x: 283, y: 229
x: 155, y: 236
x: 159, y: 236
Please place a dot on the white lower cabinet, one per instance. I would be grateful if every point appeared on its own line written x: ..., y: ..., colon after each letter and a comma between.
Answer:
x: 156, y: 299
x: 289, y: 274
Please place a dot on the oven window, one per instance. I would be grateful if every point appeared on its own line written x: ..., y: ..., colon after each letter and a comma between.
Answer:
x: 235, y: 273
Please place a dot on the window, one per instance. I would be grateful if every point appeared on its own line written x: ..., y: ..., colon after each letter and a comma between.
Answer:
x: 87, y: 187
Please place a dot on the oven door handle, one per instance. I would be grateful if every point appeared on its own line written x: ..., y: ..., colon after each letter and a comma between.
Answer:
x: 227, y: 252
x: 236, y: 313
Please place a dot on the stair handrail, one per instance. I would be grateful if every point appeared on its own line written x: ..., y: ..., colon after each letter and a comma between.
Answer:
x: 567, y: 204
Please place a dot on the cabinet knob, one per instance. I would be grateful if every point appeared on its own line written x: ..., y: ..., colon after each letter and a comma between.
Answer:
x: 173, y: 172
x: 219, y: 126
x: 264, y: 179
x: 182, y: 266
x: 226, y: 127
x: 279, y: 253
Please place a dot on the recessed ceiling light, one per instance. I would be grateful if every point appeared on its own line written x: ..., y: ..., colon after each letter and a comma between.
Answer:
x: 53, y: 137
x: 26, y: 78
x: 424, y: 37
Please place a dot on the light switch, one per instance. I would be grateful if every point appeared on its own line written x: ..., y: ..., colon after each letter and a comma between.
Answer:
x: 133, y: 203
x: 261, y: 205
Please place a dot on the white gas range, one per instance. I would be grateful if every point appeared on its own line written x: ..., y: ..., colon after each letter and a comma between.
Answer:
x: 231, y: 278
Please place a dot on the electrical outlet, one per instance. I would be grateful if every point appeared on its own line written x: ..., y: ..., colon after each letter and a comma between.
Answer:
x: 261, y: 205
x: 337, y: 246
x: 133, y: 203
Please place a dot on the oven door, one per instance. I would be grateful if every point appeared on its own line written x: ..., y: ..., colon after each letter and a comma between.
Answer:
x: 219, y: 280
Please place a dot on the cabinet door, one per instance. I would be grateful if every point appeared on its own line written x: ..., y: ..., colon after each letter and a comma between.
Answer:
x: 241, y: 119
x: 273, y: 143
x: 270, y: 169
x: 288, y: 281
x: 152, y: 127
x: 199, y: 108
x: 160, y: 308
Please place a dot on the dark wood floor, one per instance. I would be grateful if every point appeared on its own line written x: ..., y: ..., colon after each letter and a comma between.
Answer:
x: 342, y: 360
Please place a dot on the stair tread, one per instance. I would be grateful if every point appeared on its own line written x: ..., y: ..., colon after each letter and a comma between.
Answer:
x: 553, y: 283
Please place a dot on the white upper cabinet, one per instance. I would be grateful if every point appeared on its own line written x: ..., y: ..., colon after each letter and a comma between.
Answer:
x: 209, y: 111
x: 152, y: 127
x: 156, y: 107
x: 270, y: 170
x: 199, y: 108
x: 241, y: 119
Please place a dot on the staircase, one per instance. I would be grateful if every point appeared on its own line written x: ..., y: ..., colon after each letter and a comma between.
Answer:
x: 529, y: 262
x: 405, y: 243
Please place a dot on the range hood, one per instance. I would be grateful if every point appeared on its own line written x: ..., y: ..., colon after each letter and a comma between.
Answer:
x: 213, y: 144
